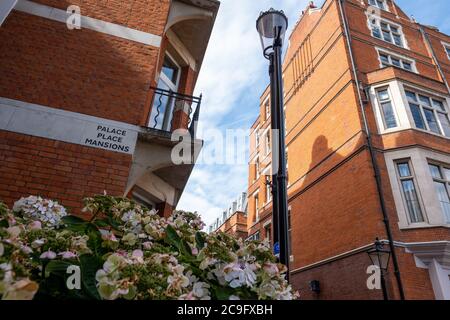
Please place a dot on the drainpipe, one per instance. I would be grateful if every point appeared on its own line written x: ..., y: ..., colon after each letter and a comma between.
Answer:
x: 433, y: 55
x: 372, y: 155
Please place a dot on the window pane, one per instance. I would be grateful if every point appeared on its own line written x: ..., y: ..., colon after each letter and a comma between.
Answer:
x: 389, y: 116
x: 398, y: 40
x: 443, y: 199
x: 170, y: 69
x: 387, y: 36
x: 447, y: 174
x: 384, y: 58
x: 438, y: 104
x: 396, y: 62
x: 425, y: 100
x: 417, y: 115
x: 412, y: 201
x: 383, y: 94
x: 432, y: 122
x: 376, y: 32
x: 403, y: 170
x: 381, y: 4
x: 407, y: 66
x: 411, y: 96
x: 443, y: 118
x: 435, y: 171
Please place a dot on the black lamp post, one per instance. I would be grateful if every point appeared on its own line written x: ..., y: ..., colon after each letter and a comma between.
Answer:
x: 380, y: 257
x: 272, y: 26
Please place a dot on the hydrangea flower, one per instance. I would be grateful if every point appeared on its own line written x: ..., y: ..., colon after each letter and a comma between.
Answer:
x: 46, y: 211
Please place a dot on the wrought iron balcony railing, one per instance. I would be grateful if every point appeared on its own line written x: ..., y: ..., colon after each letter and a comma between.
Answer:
x: 172, y: 110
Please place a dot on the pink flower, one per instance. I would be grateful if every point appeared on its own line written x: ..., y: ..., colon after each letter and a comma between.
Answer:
x: 35, y: 225
x: 109, y: 236
x: 194, y: 251
x: 49, y: 255
x: 26, y: 249
x: 147, y: 245
x: 138, y: 256
x: 68, y: 255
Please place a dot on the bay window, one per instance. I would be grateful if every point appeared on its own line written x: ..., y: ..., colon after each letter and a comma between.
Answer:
x: 441, y: 180
x: 429, y: 113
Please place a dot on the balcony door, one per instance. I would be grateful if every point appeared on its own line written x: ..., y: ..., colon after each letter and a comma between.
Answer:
x: 163, y: 104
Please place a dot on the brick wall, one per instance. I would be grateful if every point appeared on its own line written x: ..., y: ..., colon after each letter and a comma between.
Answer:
x: 107, y: 76
x: 58, y: 170
x: 144, y: 15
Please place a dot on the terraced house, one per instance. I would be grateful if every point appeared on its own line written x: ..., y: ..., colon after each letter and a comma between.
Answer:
x: 367, y: 103
x: 91, y: 92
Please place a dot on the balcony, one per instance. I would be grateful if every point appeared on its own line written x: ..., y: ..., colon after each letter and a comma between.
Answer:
x: 172, y: 111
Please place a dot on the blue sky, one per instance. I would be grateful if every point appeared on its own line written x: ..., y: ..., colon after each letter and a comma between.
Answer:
x: 232, y: 79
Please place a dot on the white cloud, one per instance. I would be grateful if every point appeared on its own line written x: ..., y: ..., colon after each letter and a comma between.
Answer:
x: 234, y: 73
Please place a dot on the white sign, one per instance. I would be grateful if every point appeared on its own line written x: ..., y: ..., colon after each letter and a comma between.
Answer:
x: 110, y: 138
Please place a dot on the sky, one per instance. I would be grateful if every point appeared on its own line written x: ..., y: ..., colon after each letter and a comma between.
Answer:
x: 234, y: 75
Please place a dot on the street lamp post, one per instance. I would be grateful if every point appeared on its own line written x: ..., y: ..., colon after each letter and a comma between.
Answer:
x: 380, y: 257
x: 272, y: 26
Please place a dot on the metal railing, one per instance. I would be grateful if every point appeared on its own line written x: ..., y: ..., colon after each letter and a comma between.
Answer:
x: 169, y: 109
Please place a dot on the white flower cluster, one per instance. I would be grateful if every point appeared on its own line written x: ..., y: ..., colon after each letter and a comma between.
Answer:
x: 46, y: 211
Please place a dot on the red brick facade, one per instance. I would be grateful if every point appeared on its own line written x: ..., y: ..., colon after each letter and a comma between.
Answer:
x: 103, y: 74
x: 335, y: 206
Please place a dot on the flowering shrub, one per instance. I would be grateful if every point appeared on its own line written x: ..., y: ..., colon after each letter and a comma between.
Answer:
x: 127, y: 251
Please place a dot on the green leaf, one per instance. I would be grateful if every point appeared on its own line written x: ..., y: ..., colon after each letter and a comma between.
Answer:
x: 172, y: 237
x: 74, y: 223
x: 200, y: 240
x: 103, y: 223
x: 58, y: 267
x: 4, y: 224
x: 89, y: 267
x: 221, y: 292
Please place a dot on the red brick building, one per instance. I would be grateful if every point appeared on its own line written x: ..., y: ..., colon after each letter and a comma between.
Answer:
x: 367, y: 105
x: 233, y: 221
x: 89, y: 105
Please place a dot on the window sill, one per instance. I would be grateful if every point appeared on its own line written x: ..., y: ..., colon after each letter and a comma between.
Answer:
x: 395, y: 130
x: 391, y: 43
x: 422, y: 225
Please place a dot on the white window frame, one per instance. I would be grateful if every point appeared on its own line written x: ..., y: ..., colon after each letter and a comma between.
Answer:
x: 267, y: 143
x: 257, y: 209
x: 267, y: 109
x: 419, y: 159
x: 405, y: 119
x: 411, y: 177
x: 422, y: 106
x: 443, y: 180
x: 376, y: 4
x: 379, y: 20
x: 446, y: 49
x: 380, y: 107
x: 402, y: 58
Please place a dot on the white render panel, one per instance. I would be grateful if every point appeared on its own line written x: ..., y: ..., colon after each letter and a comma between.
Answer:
x: 419, y: 157
x: 89, y: 23
x: 41, y: 121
